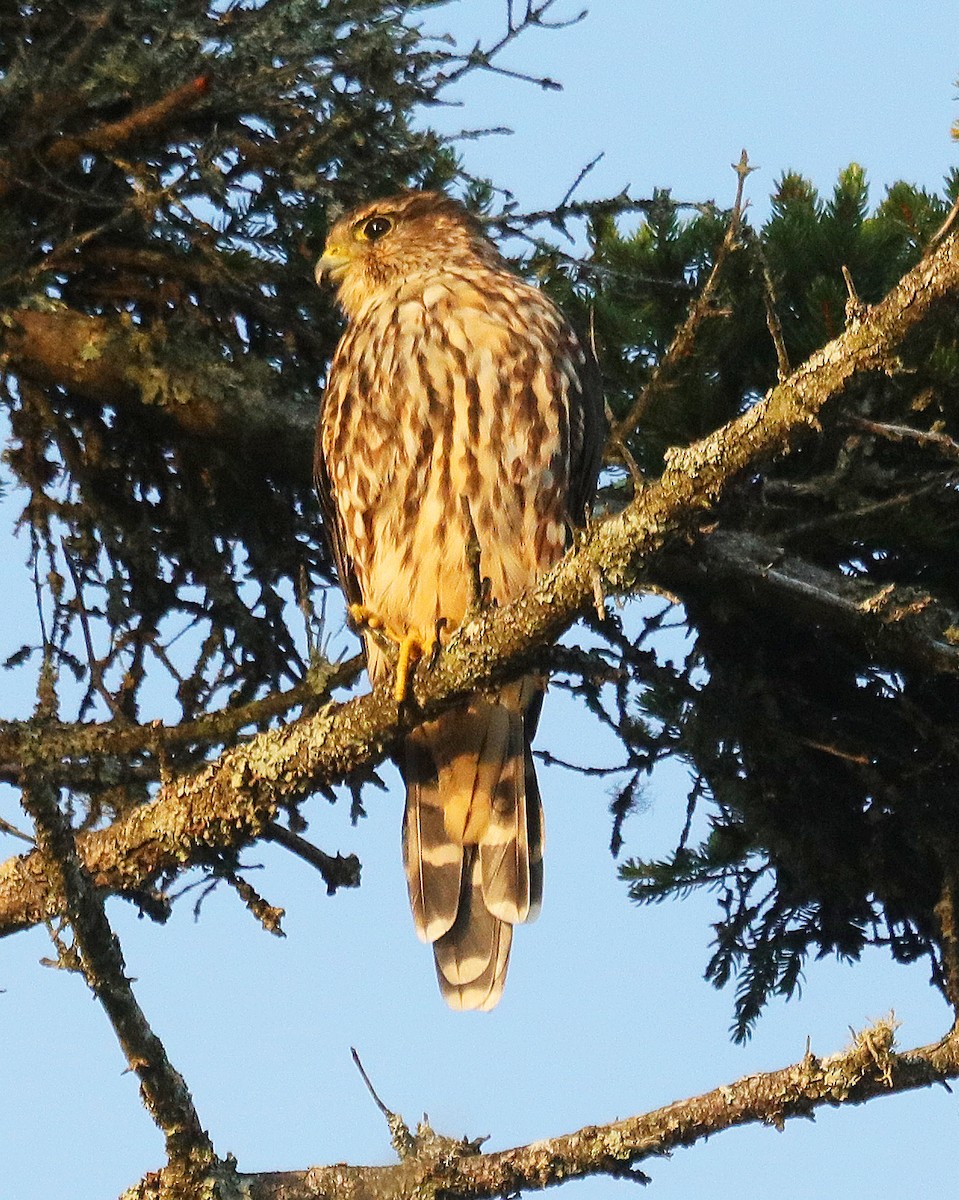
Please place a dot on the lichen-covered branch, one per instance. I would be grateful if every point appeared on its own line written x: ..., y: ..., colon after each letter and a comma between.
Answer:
x: 232, y: 800
x: 869, y: 1068
x: 164, y: 1091
x: 106, y: 362
x: 66, y: 747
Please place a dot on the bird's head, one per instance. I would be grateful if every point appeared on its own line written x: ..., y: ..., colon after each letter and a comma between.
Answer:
x: 379, y: 246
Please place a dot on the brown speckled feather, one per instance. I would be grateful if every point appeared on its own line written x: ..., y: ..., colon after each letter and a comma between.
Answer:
x: 455, y: 382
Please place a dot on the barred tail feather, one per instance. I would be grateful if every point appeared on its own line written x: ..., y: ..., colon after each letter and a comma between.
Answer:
x: 536, y: 836
x: 473, y: 957
x: 504, y: 850
x: 434, y: 864
x: 473, y: 838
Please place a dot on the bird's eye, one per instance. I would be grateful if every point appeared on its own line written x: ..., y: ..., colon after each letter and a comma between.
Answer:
x: 373, y: 229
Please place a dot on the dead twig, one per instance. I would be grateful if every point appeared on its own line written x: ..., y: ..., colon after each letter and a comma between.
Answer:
x: 685, y: 337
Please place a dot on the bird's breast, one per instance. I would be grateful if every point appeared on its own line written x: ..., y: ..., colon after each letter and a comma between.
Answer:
x: 454, y: 397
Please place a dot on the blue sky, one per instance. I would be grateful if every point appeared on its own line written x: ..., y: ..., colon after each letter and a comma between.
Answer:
x: 606, y: 1013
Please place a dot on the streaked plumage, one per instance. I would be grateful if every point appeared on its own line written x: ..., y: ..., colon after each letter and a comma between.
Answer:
x: 455, y: 381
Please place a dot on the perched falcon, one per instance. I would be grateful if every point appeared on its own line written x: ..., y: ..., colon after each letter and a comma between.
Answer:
x: 456, y: 386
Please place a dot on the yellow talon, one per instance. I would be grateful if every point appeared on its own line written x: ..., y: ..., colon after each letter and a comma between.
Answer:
x: 411, y: 646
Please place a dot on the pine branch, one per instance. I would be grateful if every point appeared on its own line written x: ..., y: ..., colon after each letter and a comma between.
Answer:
x: 684, y: 339
x: 142, y: 122
x: 233, y: 800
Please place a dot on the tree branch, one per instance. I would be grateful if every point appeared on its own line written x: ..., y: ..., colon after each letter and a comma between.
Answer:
x: 902, y: 626
x: 67, y: 748
x: 163, y: 1089
x: 684, y: 339
x: 111, y: 135
x: 232, y: 800
x: 97, y: 358
x: 455, y: 1169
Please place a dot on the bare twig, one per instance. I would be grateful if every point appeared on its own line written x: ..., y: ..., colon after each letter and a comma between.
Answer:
x: 404, y: 1143
x: 685, y: 337
x: 337, y: 872
x: 13, y: 831
x: 482, y: 58
x: 94, y: 664
x: 855, y: 308
x: 513, y: 222
x: 942, y: 443
x: 945, y: 228
x: 579, y: 179
x: 770, y: 303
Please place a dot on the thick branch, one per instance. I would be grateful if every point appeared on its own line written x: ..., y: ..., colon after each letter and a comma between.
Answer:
x: 232, y: 800
x: 98, y: 359
x: 902, y: 626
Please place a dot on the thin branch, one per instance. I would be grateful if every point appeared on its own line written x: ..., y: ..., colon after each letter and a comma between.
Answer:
x: 552, y: 760
x: 337, y: 872
x: 163, y: 1089
x: 900, y: 625
x: 926, y: 438
x: 512, y: 222
x: 945, y: 228
x: 579, y: 179
x: 13, y: 831
x: 871, y: 1067
x: 404, y: 1143
x: 480, y: 58
x: 67, y: 745
x: 771, y: 305
x: 684, y: 339
x: 94, y: 664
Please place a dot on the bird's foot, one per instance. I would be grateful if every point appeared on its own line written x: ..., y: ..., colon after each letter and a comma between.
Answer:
x: 411, y: 645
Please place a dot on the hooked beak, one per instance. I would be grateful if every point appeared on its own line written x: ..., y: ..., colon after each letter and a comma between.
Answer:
x: 332, y: 266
